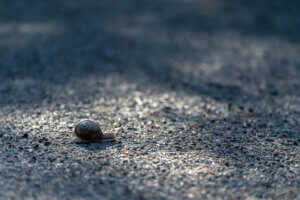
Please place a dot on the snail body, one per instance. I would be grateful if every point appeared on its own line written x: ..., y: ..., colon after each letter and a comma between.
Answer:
x: 89, y: 131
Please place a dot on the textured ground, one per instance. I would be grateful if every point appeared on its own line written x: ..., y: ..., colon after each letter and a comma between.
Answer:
x: 205, y: 95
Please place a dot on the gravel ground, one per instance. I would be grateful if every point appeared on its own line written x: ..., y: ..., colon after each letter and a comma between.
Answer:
x: 204, y: 97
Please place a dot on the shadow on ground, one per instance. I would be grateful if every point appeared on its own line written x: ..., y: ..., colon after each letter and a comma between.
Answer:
x: 96, y: 146
x: 169, y: 45
x: 234, y: 52
x: 177, y: 45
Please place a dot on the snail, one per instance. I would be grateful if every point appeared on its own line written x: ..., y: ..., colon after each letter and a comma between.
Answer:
x: 89, y: 131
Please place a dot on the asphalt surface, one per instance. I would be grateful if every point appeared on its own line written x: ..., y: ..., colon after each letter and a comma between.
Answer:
x: 203, y: 95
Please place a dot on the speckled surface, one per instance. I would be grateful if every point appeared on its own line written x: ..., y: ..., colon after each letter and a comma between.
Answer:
x: 203, y: 95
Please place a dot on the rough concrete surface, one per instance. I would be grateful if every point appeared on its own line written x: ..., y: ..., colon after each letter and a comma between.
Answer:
x: 203, y: 95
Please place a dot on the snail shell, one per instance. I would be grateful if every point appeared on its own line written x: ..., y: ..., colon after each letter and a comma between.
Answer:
x: 89, y: 131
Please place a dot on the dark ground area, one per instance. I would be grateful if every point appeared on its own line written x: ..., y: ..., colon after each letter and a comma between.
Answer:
x: 205, y: 93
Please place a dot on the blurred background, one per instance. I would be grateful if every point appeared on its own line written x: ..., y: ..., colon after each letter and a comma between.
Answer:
x: 228, y: 50
x: 203, y: 94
